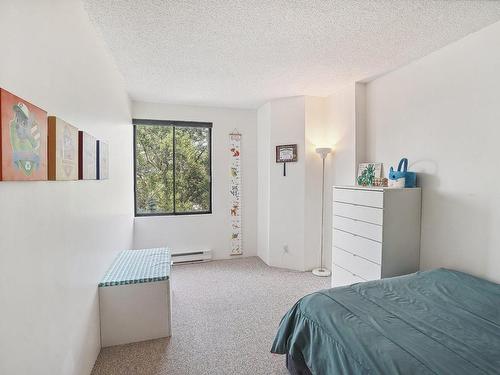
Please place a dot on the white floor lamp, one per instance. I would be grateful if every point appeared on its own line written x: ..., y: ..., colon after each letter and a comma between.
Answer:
x: 323, y: 152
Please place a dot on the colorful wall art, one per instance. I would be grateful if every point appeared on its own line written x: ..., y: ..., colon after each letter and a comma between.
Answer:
x: 368, y: 172
x: 235, y: 193
x: 34, y: 147
x: 23, y: 139
x: 62, y: 150
x: 102, y: 160
x: 87, y: 156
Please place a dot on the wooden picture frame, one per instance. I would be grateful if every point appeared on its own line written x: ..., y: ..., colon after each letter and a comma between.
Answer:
x: 286, y: 153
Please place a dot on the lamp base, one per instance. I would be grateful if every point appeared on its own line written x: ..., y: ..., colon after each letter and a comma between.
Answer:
x: 321, y: 272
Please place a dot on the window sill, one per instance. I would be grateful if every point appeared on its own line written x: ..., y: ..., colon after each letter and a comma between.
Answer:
x: 145, y: 216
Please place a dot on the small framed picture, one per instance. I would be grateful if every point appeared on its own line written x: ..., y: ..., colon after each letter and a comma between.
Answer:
x: 368, y: 173
x: 286, y: 153
x: 87, y: 156
x: 62, y: 150
x: 102, y: 159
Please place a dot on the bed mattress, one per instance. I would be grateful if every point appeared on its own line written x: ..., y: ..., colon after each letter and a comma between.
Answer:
x: 433, y: 322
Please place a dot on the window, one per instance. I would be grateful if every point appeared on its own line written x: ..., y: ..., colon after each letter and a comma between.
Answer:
x: 173, y: 171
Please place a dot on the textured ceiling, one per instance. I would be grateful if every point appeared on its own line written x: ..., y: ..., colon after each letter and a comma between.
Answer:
x: 243, y: 53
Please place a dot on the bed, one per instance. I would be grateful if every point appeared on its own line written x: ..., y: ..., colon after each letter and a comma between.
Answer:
x: 432, y: 322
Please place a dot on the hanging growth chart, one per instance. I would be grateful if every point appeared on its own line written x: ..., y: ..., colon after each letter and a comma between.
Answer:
x: 235, y: 192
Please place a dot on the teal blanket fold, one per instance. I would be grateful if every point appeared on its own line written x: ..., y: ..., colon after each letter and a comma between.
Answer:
x: 432, y: 322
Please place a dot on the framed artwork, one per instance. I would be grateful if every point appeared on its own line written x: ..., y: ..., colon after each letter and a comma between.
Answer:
x: 87, y: 156
x: 62, y: 150
x: 102, y: 160
x: 286, y: 153
x: 368, y: 172
x: 23, y: 139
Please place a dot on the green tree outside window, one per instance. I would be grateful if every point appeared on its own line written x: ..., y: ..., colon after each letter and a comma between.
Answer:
x: 172, y: 168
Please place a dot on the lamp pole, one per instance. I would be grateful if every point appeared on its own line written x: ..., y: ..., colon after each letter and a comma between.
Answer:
x: 322, y: 271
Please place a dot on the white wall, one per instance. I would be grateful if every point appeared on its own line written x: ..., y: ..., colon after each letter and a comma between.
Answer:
x: 199, y: 232
x: 58, y: 238
x: 290, y: 206
x: 264, y: 157
x: 287, y: 192
x: 341, y: 133
x: 443, y: 113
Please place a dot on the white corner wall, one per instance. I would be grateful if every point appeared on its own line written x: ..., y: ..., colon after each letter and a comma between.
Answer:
x: 213, y: 231
x: 289, y: 207
x: 443, y: 113
x: 287, y: 193
x: 345, y: 132
x: 58, y: 238
x: 264, y: 157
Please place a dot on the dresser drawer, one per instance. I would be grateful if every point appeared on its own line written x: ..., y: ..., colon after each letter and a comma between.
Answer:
x: 360, y: 228
x: 341, y: 277
x: 359, y: 197
x: 369, y: 249
x: 363, y: 213
x: 356, y: 265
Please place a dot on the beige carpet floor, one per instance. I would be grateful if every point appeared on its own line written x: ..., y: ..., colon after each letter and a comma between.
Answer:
x: 225, y: 316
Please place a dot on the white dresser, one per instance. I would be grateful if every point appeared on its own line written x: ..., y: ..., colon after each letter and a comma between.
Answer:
x: 376, y: 233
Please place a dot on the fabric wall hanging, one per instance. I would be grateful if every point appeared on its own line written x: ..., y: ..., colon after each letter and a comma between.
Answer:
x: 235, y: 192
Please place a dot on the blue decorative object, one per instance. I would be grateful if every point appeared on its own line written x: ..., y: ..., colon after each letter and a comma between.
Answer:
x: 401, y: 177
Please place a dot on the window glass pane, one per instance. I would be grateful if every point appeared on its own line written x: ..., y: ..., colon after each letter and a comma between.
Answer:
x: 154, y: 169
x: 192, y: 169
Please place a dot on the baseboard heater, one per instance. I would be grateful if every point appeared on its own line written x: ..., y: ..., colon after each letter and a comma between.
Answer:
x: 191, y: 257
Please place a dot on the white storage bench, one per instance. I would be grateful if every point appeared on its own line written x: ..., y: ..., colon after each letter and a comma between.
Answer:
x: 134, y: 297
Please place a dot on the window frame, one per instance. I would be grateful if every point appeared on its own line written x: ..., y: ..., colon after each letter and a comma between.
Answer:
x: 173, y: 124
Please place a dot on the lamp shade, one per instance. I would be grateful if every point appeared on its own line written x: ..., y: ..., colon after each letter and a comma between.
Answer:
x: 323, y: 151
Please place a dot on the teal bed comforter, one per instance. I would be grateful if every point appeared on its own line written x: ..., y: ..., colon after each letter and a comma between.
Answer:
x: 433, y: 322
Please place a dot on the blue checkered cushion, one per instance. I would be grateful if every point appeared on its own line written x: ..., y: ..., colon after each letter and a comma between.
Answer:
x: 138, y: 266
